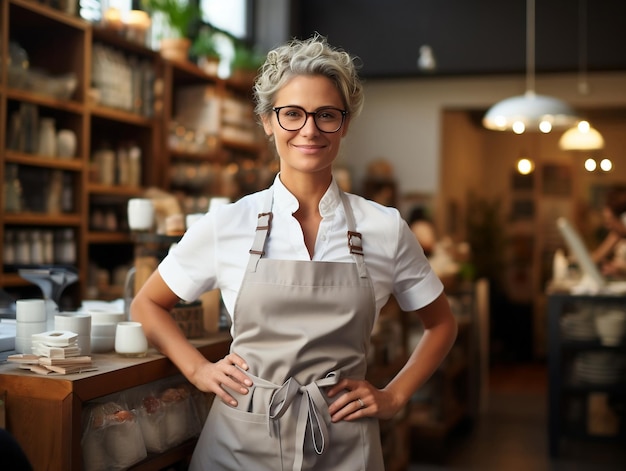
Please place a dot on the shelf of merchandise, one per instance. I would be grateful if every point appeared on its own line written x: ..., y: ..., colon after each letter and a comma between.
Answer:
x: 569, y: 414
x: 70, y: 35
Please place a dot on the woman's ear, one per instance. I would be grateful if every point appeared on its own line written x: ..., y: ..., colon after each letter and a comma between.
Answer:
x: 622, y: 218
x: 267, y: 125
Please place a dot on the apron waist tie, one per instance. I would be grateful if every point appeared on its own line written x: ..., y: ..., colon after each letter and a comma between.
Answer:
x: 312, y: 414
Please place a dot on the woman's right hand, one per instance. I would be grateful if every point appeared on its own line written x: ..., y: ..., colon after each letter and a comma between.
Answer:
x: 227, y: 372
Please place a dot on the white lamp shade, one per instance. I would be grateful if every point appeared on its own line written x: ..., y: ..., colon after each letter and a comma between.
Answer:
x: 531, y: 111
x: 581, y: 137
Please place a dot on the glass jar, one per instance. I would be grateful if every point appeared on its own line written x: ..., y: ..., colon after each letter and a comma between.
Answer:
x: 47, y: 138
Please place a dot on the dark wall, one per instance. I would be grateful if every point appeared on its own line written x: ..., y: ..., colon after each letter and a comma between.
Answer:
x: 469, y: 37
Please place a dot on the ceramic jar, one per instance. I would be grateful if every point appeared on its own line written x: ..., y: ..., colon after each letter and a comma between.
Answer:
x: 47, y: 138
x: 66, y: 144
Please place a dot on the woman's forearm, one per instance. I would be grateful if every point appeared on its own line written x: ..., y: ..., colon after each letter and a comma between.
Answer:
x: 439, y: 335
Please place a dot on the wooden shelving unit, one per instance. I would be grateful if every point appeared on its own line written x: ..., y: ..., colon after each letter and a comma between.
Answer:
x: 95, y: 124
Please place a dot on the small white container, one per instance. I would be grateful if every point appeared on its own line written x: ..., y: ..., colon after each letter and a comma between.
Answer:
x: 77, y: 322
x: 30, y: 310
x: 611, y: 327
x: 102, y: 344
x: 105, y: 316
x: 103, y: 337
x: 66, y: 144
x: 140, y: 214
x: 28, y: 329
x: 130, y: 339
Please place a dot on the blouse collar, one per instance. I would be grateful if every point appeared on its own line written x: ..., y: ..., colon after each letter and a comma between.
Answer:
x: 285, y: 201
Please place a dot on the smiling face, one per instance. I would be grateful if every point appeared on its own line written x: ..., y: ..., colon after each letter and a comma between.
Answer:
x: 308, y: 150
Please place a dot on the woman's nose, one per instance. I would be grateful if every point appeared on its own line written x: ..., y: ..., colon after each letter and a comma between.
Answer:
x: 309, y: 128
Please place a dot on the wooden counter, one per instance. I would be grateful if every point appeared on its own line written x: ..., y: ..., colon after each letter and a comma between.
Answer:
x: 44, y: 413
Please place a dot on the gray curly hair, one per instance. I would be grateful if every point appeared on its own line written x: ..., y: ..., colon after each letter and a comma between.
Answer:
x: 313, y: 56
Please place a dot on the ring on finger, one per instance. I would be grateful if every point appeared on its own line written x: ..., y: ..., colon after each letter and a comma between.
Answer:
x: 361, y: 403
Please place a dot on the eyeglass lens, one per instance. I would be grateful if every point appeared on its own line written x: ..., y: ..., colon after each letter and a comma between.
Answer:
x: 293, y: 118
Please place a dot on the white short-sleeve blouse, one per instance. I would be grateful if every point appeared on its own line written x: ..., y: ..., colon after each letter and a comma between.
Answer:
x: 214, y: 251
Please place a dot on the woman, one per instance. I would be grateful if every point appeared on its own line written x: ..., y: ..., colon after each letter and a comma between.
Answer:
x: 303, y: 288
x: 611, y: 253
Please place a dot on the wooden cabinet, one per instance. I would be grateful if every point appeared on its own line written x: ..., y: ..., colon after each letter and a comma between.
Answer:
x: 123, y: 129
x: 212, y: 143
x: 42, y: 201
x: 44, y: 413
x: 70, y: 199
x: 137, y: 124
x: 587, y: 386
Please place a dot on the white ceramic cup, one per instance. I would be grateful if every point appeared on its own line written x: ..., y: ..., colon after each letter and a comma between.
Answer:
x: 105, y: 316
x: 140, y: 214
x: 77, y: 322
x: 80, y: 324
x: 26, y: 330
x: 30, y: 310
x: 130, y: 340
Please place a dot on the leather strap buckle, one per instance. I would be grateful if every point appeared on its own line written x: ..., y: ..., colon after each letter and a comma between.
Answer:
x: 266, y: 227
x: 269, y: 222
x: 355, y: 249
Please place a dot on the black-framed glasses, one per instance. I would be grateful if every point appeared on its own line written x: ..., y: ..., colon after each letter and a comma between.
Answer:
x: 293, y: 118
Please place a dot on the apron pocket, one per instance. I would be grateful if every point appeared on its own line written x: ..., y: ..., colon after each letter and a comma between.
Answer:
x: 238, y: 440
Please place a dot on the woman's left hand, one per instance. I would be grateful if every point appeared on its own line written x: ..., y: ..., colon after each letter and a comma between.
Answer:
x: 360, y: 399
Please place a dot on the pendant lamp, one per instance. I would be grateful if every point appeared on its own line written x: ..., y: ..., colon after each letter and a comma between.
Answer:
x: 581, y: 137
x: 530, y: 112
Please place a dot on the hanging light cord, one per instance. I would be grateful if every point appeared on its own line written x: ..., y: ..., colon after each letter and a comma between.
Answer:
x: 530, y: 47
x: 583, y: 86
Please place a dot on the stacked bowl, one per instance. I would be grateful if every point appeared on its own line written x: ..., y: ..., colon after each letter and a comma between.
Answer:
x: 103, y: 325
x: 610, y: 326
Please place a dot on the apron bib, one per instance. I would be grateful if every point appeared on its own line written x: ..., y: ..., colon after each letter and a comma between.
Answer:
x: 300, y: 326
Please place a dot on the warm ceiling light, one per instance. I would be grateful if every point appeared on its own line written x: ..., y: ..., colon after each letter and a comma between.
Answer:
x: 525, y: 166
x: 529, y: 111
x: 606, y: 165
x: 590, y: 165
x: 581, y: 137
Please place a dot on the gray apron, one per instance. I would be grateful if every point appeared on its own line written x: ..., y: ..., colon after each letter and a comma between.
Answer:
x: 300, y: 326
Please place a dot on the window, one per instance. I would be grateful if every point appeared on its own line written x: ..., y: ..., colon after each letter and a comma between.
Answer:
x: 93, y: 10
x: 228, y: 15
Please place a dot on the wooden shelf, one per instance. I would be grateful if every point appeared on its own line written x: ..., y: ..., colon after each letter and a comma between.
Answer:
x: 75, y: 164
x: 31, y: 219
x: 44, y: 11
x: 44, y: 100
x: 120, y: 115
x: 109, y: 237
x: 113, y: 38
x: 119, y: 190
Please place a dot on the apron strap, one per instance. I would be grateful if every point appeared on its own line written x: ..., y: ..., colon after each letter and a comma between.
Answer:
x: 264, y: 224
x: 355, y: 239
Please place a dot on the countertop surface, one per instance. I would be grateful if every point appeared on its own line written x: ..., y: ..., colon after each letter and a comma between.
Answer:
x: 108, y: 362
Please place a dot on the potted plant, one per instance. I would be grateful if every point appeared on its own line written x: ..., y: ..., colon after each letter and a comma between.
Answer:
x: 245, y: 63
x: 179, y: 16
x: 204, y: 48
